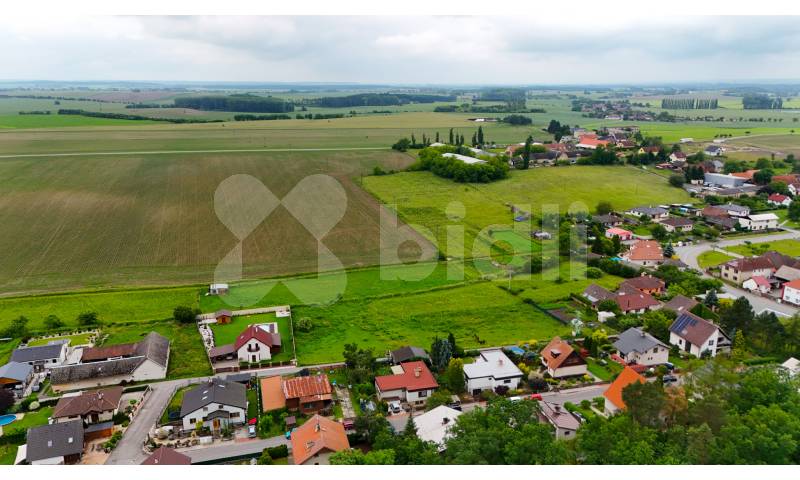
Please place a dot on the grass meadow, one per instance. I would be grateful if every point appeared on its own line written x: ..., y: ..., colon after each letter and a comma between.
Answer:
x: 712, y: 258
x: 786, y: 247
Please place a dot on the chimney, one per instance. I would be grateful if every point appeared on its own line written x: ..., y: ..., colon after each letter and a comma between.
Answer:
x: 445, y: 421
x: 417, y: 372
x: 557, y: 408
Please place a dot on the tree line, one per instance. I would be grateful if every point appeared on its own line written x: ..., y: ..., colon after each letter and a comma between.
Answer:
x: 431, y: 159
x: 236, y: 103
x: 125, y: 116
x: 759, y: 101
x: 689, y: 103
x: 377, y: 99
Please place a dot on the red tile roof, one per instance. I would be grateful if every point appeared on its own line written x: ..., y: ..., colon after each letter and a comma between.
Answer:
x: 747, y: 174
x: 415, y: 376
x: 793, y: 284
x: 629, y: 298
x: 317, y: 435
x: 777, y: 197
x: 258, y: 333
x: 646, y: 250
x: 307, y: 386
x: 614, y: 391
x: 556, y: 352
x: 645, y: 282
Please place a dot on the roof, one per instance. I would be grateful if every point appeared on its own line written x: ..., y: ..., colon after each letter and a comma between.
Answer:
x: 649, y: 210
x: 257, y: 333
x: 711, y: 211
x: 86, y: 371
x: 795, y: 284
x: 629, y: 298
x: 748, y: 264
x: 55, y: 440
x: 558, y: 416
x: 692, y: 328
x: 678, y: 155
x: 644, y: 282
x: 597, y: 292
x: 318, y: 434
x: 732, y: 207
x: 221, y: 350
x: 619, y: 232
x: 760, y: 217
x: 16, y: 371
x: 672, y: 262
x: 153, y: 346
x: 646, y: 250
x: 777, y: 197
x: 555, y: 353
x: 167, y: 456
x: 614, y: 391
x: 216, y: 391
x: 404, y: 354
x: 713, y: 148
x: 636, y: 340
x: 95, y: 354
x: 760, y: 281
x: 680, y: 303
x: 677, y: 222
x: 793, y: 365
x: 786, y: 272
x: 492, y: 363
x: 37, y: 354
x: 223, y: 313
x: 434, y: 425
x: 272, y: 397
x: 87, y: 402
x: 748, y: 174
x: 301, y: 387
x: 415, y: 376
x: 463, y: 158
x: 606, y: 219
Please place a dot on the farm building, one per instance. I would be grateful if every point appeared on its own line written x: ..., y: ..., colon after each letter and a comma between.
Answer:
x: 218, y: 289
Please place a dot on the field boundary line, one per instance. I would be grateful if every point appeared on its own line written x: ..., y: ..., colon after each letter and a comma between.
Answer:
x: 172, y: 152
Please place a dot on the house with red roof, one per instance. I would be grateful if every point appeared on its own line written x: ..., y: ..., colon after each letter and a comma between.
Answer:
x: 645, y: 253
x: 779, y: 200
x: 258, y: 343
x: 619, y: 232
x: 315, y: 441
x: 613, y: 394
x: 791, y: 292
x: 632, y: 300
x: 310, y: 394
x: 757, y: 283
x: 591, y: 142
x: 561, y: 360
x: 409, y: 382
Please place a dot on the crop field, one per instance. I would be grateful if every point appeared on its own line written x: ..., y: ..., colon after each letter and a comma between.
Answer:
x: 225, y: 334
x: 147, y: 220
x: 422, y: 198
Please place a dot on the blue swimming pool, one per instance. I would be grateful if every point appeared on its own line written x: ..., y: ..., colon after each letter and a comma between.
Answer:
x: 6, y: 419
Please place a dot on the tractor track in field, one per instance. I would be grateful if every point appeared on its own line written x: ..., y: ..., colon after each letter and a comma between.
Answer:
x: 172, y: 152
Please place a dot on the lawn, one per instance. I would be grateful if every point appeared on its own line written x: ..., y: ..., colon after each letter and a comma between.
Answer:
x: 252, y: 402
x: 786, y: 247
x: 606, y: 372
x: 479, y: 315
x: 712, y: 258
x: 175, y: 402
x: 544, y: 288
x: 225, y: 334
x: 422, y: 198
x: 5, y: 350
x: 8, y: 452
x: 77, y: 339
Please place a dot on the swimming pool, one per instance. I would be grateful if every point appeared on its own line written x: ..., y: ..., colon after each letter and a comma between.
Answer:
x: 6, y: 419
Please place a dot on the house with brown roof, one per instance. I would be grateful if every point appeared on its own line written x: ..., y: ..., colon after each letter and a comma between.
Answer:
x: 613, y: 394
x: 258, y: 343
x: 741, y: 269
x: 677, y: 224
x: 315, y: 441
x: 410, y: 382
x: 596, y: 294
x: 310, y: 394
x: 167, y: 456
x: 647, y: 284
x: 697, y: 335
x: 564, y: 423
x: 91, y: 407
x: 680, y: 304
x: 561, y: 360
x: 645, y: 253
x: 632, y: 300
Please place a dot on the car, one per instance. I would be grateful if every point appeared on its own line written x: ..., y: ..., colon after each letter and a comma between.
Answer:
x: 514, y: 399
x: 670, y: 366
x: 579, y: 416
x: 536, y: 396
x: 395, y: 408
x: 669, y: 378
x: 455, y: 403
x: 251, y: 431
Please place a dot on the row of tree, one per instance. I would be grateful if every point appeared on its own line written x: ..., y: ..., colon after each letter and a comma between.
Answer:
x: 236, y: 103
x: 689, y: 103
x: 431, y: 159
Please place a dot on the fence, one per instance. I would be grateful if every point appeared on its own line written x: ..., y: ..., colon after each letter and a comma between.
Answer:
x: 250, y: 311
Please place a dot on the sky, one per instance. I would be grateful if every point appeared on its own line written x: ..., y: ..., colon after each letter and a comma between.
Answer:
x: 551, y: 49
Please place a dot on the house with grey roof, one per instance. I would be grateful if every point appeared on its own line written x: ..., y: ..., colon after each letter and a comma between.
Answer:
x: 407, y: 354
x: 147, y: 359
x: 596, y: 294
x: 55, y: 444
x: 564, y: 423
x: 42, y: 357
x: 215, y: 404
x: 15, y: 375
x: 653, y: 213
x: 491, y: 369
x: 636, y: 346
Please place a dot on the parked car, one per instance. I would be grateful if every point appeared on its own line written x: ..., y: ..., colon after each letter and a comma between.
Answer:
x: 536, y: 396
x: 669, y: 379
x: 670, y: 366
x: 251, y: 431
x: 579, y: 416
x: 395, y: 408
x: 455, y: 403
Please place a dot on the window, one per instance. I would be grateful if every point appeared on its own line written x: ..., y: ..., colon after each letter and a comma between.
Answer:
x: 507, y: 381
x: 234, y: 414
x: 423, y: 393
x: 711, y: 342
x: 192, y: 420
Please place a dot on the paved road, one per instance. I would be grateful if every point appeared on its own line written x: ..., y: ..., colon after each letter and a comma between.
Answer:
x: 232, y: 449
x: 164, y: 152
x: 688, y: 254
x: 575, y: 395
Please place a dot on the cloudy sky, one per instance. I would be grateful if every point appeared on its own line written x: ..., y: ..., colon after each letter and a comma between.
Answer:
x: 555, y: 49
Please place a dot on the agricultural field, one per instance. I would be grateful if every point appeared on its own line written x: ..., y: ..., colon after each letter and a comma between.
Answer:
x: 225, y: 334
x: 422, y: 198
x: 786, y: 247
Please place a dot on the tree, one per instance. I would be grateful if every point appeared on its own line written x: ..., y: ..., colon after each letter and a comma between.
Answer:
x: 659, y: 232
x: 763, y: 177
x: 355, y: 456
x: 764, y: 435
x: 711, y: 301
x: 184, y: 314
x: 644, y: 402
x: 657, y: 323
x: 52, y: 322
x: 452, y: 140
x: 402, y: 145
x: 453, y: 376
x: 604, y: 208
x: 676, y: 180
x: 359, y: 362
x: 794, y: 211
x: 739, y: 350
x: 265, y: 458
x: 88, y: 319
x: 480, y: 135
x: 441, y: 352
x: 6, y: 400
x: 18, y: 328
x: 739, y: 315
x: 669, y: 251
x: 526, y: 153
x: 457, y: 351
x: 617, y: 441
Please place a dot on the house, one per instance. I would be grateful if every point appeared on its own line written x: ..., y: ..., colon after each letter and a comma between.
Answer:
x: 794, y: 188
x: 15, y: 376
x: 43, y: 357
x: 596, y: 294
x: 792, y: 366
x: 647, y: 284
x: 410, y: 382
x: 736, y: 192
x: 632, y: 300
x: 561, y: 360
x: 646, y: 150
x: 712, y: 211
x: 625, y: 144
x: 791, y: 292
x: 564, y: 423
x: 223, y: 317
x: 757, y: 283
x: 435, y: 425
x: 218, y: 289
x: 723, y: 223
x: 696, y: 335
x: 316, y: 440
x: 653, y: 213
x: 215, y: 404
x: 613, y: 394
x: 55, y: 444
x: 787, y: 273
x: 608, y: 220
x: 272, y: 396
x: 747, y: 174
x: 741, y: 269
x: 645, y: 253
x: 591, y: 142
x: 723, y: 180
x: 408, y: 353
x: 258, y: 343
x: 761, y: 221
x: 677, y: 157
x: 779, y: 200
x: 680, y: 304
x: 735, y: 210
x: 714, y: 150
x: 124, y: 363
x: 91, y: 407
x: 636, y: 346
x: 619, y: 232
x: 677, y: 224
x: 167, y: 456
x: 310, y: 394
x: 491, y: 369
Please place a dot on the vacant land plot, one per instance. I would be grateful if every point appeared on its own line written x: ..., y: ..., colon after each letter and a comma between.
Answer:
x: 712, y: 258
x: 421, y: 198
x: 226, y: 334
x: 77, y: 339
x: 786, y: 247
x: 478, y: 315
x: 97, y: 221
x: 556, y: 285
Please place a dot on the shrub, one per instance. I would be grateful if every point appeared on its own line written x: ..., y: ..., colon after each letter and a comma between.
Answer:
x: 184, y: 314
x: 593, y: 272
x: 34, y: 405
x: 281, y: 451
x: 586, y: 404
x: 305, y: 324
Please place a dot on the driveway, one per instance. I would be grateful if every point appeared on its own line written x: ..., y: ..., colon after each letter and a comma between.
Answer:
x: 575, y: 395
x: 232, y: 449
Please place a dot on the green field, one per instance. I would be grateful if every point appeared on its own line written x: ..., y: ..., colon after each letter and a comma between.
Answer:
x: 712, y: 258
x: 226, y: 334
x: 786, y: 247
x: 77, y: 339
x: 422, y: 198
x: 57, y: 121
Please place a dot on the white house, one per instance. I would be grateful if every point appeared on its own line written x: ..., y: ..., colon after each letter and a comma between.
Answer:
x: 792, y: 365
x: 761, y: 221
x: 564, y: 423
x: 218, y: 289
x: 696, y: 335
x: 258, y: 343
x: 215, y: 404
x: 410, y: 382
x: 791, y: 292
x: 490, y: 370
x: 779, y: 200
x: 757, y: 283
x: 43, y: 357
x: 635, y: 345
x: 435, y: 425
